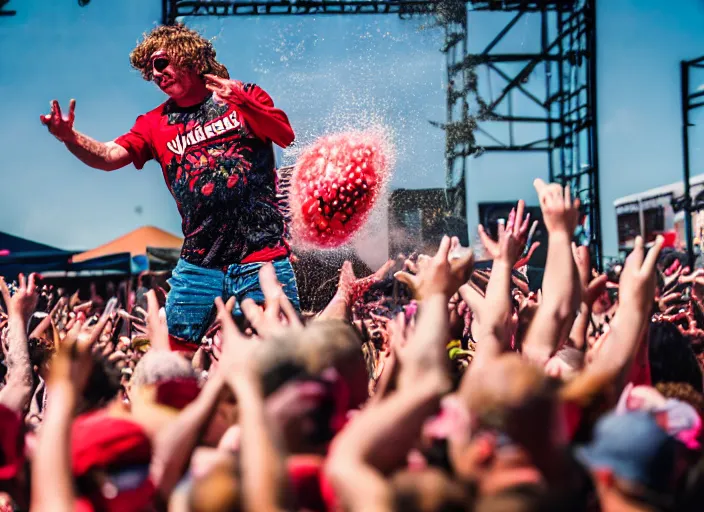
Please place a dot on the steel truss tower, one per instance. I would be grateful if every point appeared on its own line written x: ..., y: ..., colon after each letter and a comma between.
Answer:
x: 6, y: 12
x: 565, y: 101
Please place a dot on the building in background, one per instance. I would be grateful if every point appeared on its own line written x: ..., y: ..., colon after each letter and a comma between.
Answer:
x: 658, y: 211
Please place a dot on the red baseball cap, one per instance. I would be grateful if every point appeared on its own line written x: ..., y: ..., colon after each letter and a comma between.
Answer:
x: 311, y: 489
x: 177, y: 393
x: 121, y: 449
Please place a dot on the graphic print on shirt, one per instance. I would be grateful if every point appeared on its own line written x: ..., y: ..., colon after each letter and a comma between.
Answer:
x: 224, y: 184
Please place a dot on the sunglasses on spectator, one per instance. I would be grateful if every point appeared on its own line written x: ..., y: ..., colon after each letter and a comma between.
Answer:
x: 160, y: 64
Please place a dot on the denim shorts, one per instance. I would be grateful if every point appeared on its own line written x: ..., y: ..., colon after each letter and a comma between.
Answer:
x: 190, y: 305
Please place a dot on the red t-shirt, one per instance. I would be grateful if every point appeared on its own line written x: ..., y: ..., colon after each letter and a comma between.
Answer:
x: 218, y: 162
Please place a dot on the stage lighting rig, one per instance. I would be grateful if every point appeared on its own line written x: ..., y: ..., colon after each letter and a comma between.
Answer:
x: 3, y: 11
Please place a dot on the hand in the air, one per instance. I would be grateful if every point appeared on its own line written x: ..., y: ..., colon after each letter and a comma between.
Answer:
x: 593, y: 285
x: 512, y: 237
x: 560, y: 211
x: 637, y: 283
x: 444, y: 273
x: 24, y: 301
x: 60, y: 126
x: 230, y: 91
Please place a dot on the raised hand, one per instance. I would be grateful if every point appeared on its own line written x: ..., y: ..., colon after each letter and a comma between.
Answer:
x: 24, y: 301
x: 637, y: 284
x: 293, y: 401
x: 278, y: 313
x: 74, y: 361
x: 512, y: 237
x: 560, y: 212
x: 230, y: 91
x: 443, y: 273
x: 157, y: 329
x: 60, y: 126
x: 592, y: 286
x: 237, y: 349
x: 353, y: 287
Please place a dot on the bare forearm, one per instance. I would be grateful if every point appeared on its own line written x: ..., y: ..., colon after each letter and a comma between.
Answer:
x: 627, y: 331
x: 490, y: 345
x: 18, y: 390
x: 578, y: 334
x: 560, y: 284
x: 498, y: 296
x: 560, y: 296
x: 52, y: 488
x: 106, y: 156
x: 337, y: 309
x: 174, y: 445
x: 263, y: 463
x: 399, y: 417
x: 427, y: 346
x: 348, y: 476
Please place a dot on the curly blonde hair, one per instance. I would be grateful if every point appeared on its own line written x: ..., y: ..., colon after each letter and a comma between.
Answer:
x: 184, y: 46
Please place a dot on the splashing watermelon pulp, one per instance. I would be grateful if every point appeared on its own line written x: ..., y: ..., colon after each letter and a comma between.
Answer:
x: 335, y: 184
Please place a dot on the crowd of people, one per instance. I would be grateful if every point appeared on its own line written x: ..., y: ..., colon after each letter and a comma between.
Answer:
x: 427, y: 386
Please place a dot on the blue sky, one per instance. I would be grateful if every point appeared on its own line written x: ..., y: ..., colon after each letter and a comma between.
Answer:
x: 327, y: 74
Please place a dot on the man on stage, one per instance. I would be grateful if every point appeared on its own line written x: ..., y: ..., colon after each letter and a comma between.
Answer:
x: 213, y: 139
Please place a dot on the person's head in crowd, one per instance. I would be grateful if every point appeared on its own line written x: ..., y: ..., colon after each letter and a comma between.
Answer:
x: 512, y: 396
x: 334, y: 344
x: 158, y: 366
x: 41, y: 351
x: 679, y: 419
x: 429, y: 490
x: 281, y: 365
x: 281, y: 362
x: 684, y: 392
x: 520, y: 498
x: 110, y: 461
x: 217, y: 490
x: 516, y: 426
x: 671, y: 356
x: 671, y: 260
x: 150, y: 403
x: 632, y: 462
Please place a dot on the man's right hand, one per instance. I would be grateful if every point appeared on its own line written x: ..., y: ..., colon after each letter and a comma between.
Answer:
x: 560, y: 211
x: 59, y: 126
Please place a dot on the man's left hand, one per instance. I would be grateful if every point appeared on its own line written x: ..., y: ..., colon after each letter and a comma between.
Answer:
x: 230, y: 91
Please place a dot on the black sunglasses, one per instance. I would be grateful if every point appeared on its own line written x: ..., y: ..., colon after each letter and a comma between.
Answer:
x: 160, y: 64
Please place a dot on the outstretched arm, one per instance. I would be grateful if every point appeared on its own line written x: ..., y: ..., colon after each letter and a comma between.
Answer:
x: 492, y: 313
x: 266, y: 121
x: 52, y: 483
x: 609, y: 369
x: 264, y: 477
x: 561, y: 293
x: 17, y: 392
x: 361, y: 454
x: 106, y: 156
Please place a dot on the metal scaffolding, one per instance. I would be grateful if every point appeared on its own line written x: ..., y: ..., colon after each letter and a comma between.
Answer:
x: 566, y: 101
x: 4, y: 11
x: 691, y: 101
x: 565, y: 126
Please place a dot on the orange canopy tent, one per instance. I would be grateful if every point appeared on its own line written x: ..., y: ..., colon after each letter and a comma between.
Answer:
x: 135, y: 243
